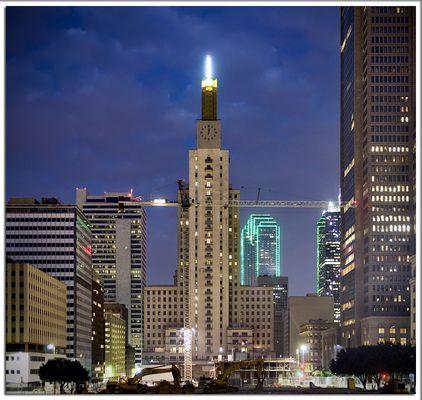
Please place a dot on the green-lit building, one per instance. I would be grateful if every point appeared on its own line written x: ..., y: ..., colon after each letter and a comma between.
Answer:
x: 259, y: 249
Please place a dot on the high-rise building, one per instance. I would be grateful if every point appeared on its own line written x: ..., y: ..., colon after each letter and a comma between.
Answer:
x: 328, y: 257
x: 208, y: 231
x: 35, y: 323
x: 207, y: 298
x: 119, y: 254
x: 377, y: 170
x: 115, y: 340
x: 259, y: 248
x: 56, y: 238
x: 98, y: 338
x: 280, y: 285
x: 35, y: 309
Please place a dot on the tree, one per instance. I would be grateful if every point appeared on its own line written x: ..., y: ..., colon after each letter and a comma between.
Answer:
x: 64, y: 372
x: 351, y: 362
x: 375, y: 362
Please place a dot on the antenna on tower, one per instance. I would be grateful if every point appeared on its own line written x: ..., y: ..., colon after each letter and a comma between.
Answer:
x: 208, y: 67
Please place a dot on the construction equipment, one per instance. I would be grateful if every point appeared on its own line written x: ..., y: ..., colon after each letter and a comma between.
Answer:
x: 223, y: 370
x: 134, y: 385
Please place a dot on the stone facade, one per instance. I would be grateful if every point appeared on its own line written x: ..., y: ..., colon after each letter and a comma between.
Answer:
x: 377, y: 330
x: 311, y: 336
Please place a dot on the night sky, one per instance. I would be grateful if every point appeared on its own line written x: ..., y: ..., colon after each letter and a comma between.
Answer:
x: 107, y: 97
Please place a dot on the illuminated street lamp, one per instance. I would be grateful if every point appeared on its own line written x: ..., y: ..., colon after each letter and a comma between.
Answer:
x: 51, y: 347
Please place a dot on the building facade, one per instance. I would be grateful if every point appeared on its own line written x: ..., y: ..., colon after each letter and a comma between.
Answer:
x: 56, y: 239
x: 377, y: 55
x: 35, y: 323
x: 115, y: 343
x: 330, y: 345
x: 328, y: 257
x: 302, y: 309
x: 259, y: 249
x: 119, y: 253
x: 311, y: 336
x: 163, y: 310
x: 379, y: 329
x: 22, y: 368
x: 413, y: 302
x: 280, y: 285
x: 98, y: 333
x: 35, y: 309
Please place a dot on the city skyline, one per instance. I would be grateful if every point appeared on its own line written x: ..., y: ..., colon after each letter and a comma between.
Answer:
x: 92, y: 138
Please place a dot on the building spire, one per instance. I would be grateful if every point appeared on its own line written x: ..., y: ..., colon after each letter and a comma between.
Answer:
x: 209, y: 93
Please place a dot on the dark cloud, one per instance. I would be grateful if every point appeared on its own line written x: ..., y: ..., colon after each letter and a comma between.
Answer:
x: 107, y: 97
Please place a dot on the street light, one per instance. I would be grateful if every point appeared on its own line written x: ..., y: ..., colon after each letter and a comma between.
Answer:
x: 51, y: 346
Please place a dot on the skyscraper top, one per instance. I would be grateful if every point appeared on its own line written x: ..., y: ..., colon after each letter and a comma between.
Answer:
x: 209, y: 93
x: 208, y: 67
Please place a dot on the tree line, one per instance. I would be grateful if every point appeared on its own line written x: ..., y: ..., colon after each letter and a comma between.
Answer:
x: 65, y: 373
x: 375, y: 363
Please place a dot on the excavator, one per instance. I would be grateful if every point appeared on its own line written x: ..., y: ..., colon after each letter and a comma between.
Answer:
x: 223, y: 370
x: 134, y: 385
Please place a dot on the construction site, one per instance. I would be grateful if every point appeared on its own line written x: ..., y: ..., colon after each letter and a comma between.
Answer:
x: 246, y: 376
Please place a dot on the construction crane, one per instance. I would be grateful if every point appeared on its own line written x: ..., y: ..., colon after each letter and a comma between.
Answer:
x: 322, y: 204
x: 186, y: 202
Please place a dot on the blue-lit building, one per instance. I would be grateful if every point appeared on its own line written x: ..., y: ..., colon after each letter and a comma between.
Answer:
x: 328, y: 257
x: 259, y: 249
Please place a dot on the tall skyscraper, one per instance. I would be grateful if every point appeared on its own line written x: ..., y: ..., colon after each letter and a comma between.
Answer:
x: 377, y: 171
x: 208, y: 231
x: 328, y: 257
x: 259, y: 249
x: 56, y: 238
x: 207, y: 298
x: 119, y: 254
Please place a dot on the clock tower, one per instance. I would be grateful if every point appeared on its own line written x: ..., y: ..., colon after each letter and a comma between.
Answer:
x: 205, y: 246
x: 208, y: 130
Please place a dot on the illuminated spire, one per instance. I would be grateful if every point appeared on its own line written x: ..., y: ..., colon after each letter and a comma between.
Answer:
x: 209, y: 92
x: 208, y: 67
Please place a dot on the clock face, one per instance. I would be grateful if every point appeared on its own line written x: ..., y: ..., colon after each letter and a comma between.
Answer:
x: 208, y: 132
